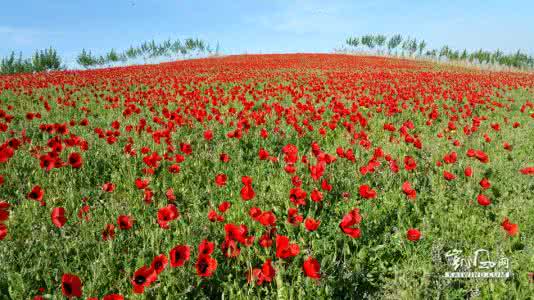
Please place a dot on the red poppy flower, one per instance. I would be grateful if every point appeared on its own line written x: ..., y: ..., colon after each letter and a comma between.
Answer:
x: 468, y: 171
x: 325, y: 186
x: 238, y: 233
x: 75, y: 160
x: 6, y: 153
x: 254, y: 212
x: 349, y: 221
x: 71, y: 285
x: 296, y: 181
x: 413, y: 234
x: 148, y: 194
x: 367, y: 192
x: 167, y: 214
x: 527, y: 171
x: 485, y: 184
x: 407, y: 189
x: 220, y: 179
x: 159, y: 263
x: 141, y: 183
x: 186, y: 148
x: 293, y: 216
x: 263, y: 133
x: 267, y: 218
x: 263, y: 154
x: 511, y: 228
x: 109, y: 232
x: 170, y: 195
x: 125, y: 222
x: 481, y: 156
x: 37, y: 194
x: 265, y: 274
x: 152, y: 160
x: 214, y: 217
x: 206, y: 265
x: 312, y: 268
x: 179, y: 158
x: 108, y: 187
x: 297, y: 196
x: 316, y: 172
x: 113, y: 297
x: 393, y: 166
x: 143, y: 278
x: 266, y: 239
x: 448, y: 176
x: 179, y: 255
x: 311, y: 224
x: 83, y: 213
x: 3, y: 231
x: 4, y: 211
x: 224, y: 157
x: 409, y: 163
x: 174, y: 169
x: 206, y: 247
x: 285, y: 249
x: 483, y: 200
x: 290, y: 152
x: 224, y: 206
x: 450, y: 158
x: 290, y: 168
x: 230, y: 248
x: 316, y: 196
x: 48, y: 162
x: 208, y: 135
x: 58, y: 217
x: 267, y: 271
x: 247, y: 192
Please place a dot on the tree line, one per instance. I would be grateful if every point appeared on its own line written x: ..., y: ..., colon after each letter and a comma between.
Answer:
x: 148, y: 50
x: 42, y: 60
x: 412, y: 47
x: 49, y: 60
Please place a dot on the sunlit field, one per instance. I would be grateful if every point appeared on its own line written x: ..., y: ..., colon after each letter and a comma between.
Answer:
x: 266, y: 176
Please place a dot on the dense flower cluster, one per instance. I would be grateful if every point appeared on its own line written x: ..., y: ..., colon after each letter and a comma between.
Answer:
x: 215, y: 167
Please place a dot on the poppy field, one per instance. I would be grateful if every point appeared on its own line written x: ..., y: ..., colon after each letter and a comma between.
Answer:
x: 265, y: 176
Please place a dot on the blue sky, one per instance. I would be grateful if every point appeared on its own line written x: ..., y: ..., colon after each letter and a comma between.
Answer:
x: 274, y: 26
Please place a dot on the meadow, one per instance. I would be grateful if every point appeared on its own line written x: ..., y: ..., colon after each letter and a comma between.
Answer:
x: 294, y: 176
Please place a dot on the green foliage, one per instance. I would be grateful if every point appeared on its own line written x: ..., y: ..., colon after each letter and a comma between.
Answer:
x: 394, y: 42
x: 353, y: 41
x: 45, y: 60
x: 368, y: 40
x: 146, y: 51
x: 411, y: 46
x: 85, y: 59
x: 42, y: 60
x: 422, y: 46
x: 380, y: 40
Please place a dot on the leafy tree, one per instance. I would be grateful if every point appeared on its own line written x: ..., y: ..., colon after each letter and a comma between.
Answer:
x: 422, y: 45
x: 464, y: 55
x: 85, y: 59
x: 394, y: 42
x: 112, y: 56
x: 45, y: 60
x: 380, y: 40
x: 368, y: 40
